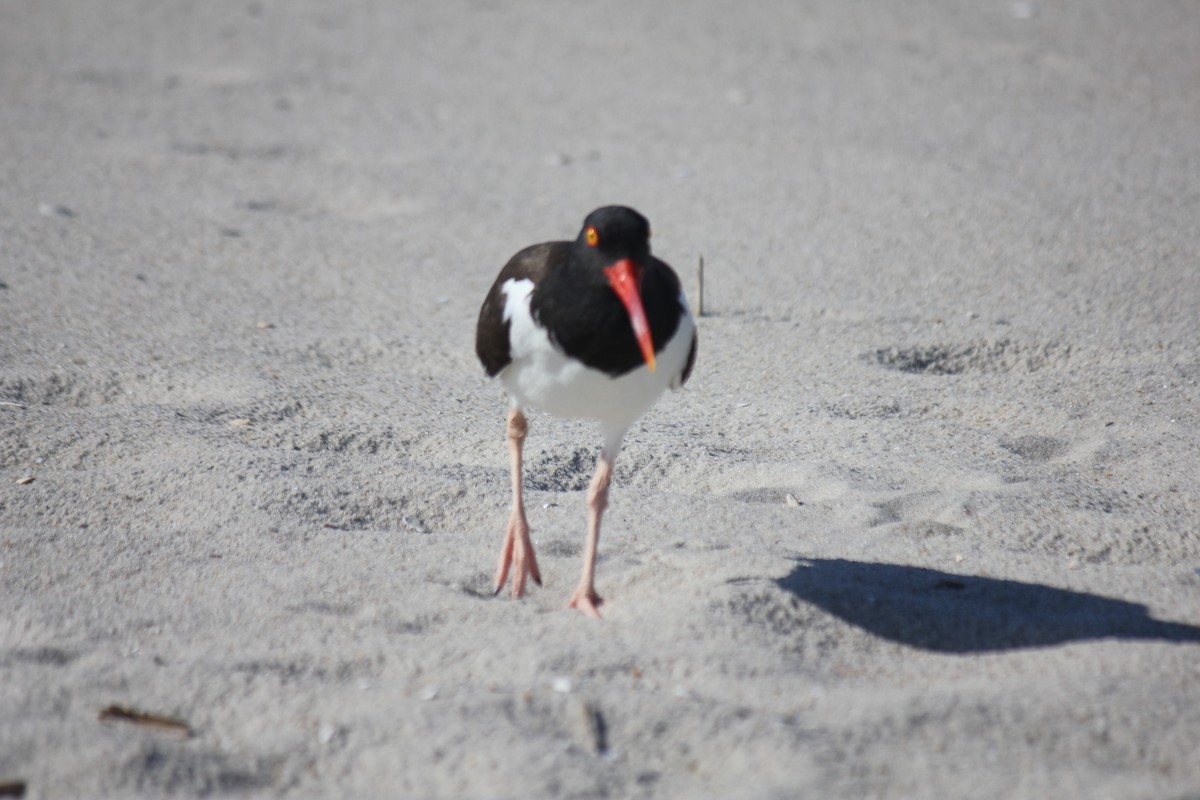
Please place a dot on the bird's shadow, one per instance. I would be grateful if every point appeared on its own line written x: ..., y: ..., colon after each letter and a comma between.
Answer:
x: 950, y: 613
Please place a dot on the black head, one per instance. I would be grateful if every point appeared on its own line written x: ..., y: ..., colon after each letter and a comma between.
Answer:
x: 614, y: 232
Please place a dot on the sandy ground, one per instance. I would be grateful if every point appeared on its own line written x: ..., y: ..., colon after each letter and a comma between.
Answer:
x: 951, y: 290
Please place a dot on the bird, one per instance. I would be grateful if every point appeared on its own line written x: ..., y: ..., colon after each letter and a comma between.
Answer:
x: 596, y: 328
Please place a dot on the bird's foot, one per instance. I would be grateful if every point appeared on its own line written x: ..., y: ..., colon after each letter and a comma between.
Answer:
x: 586, y: 600
x: 517, y: 555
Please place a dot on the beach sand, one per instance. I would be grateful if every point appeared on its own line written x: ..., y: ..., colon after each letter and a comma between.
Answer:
x: 925, y: 522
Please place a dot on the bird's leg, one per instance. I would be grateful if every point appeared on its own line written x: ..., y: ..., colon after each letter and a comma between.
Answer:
x: 517, y: 552
x: 585, y: 598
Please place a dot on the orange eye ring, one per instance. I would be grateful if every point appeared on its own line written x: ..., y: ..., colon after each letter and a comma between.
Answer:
x: 591, y: 236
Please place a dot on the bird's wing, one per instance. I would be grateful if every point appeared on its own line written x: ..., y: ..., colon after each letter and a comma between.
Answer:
x: 491, y: 333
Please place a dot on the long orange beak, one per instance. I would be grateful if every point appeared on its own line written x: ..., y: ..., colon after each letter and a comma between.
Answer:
x: 623, y: 278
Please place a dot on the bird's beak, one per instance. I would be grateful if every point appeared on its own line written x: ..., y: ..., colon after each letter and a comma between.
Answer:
x: 623, y: 278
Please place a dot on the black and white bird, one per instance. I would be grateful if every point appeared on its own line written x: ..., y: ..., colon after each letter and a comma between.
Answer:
x: 597, y: 328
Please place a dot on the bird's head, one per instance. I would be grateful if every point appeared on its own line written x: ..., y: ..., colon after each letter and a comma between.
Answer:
x: 616, y: 241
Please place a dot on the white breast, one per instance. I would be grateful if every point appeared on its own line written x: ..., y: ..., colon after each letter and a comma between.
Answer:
x: 541, y: 376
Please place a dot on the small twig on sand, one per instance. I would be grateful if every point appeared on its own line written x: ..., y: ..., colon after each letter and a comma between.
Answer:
x: 700, y: 288
x: 158, y: 721
x: 12, y: 788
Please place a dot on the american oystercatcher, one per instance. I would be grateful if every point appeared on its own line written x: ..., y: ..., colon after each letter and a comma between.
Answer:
x: 596, y: 329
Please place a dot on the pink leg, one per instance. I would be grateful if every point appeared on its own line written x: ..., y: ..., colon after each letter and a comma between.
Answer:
x: 585, y: 598
x: 517, y: 552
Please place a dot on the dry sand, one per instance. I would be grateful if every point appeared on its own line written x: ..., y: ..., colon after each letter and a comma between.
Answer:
x: 952, y: 287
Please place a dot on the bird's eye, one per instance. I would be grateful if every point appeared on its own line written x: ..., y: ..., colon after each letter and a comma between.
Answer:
x: 591, y: 237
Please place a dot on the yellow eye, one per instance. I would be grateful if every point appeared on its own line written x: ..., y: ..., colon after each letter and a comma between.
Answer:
x: 591, y: 237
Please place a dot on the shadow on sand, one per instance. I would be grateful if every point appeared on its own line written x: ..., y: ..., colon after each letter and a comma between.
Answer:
x: 950, y: 613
